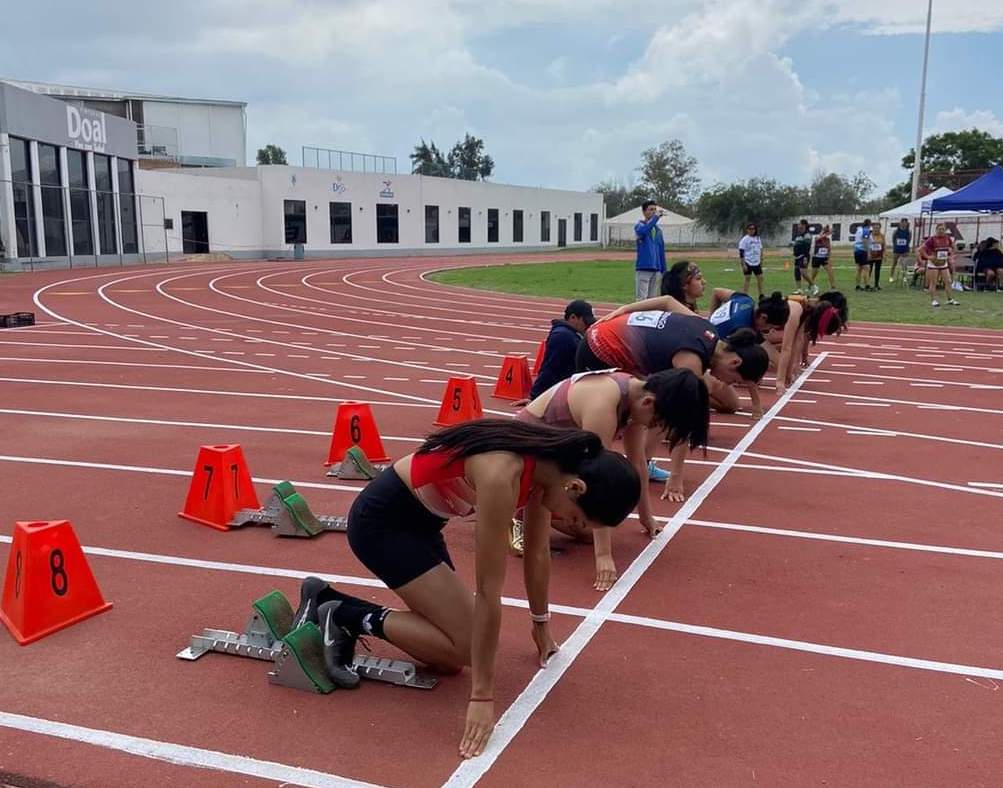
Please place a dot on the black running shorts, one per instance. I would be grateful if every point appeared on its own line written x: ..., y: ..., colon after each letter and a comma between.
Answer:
x: 393, y: 534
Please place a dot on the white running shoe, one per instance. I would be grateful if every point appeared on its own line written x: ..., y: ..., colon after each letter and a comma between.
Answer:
x: 952, y: 302
x: 935, y: 302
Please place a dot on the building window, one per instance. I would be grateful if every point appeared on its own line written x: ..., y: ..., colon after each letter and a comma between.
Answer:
x: 386, y: 224
x: 492, y: 225
x: 24, y: 206
x: 127, y: 207
x: 106, y: 204
x: 517, y: 227
x: 594, y: 227
x: 431, y: 224
x: 341, y: 222
x: 53, y: 218
x: 578, y: 227
x: 545, y: 227
x: 295, y: 214
x: 463, y: 227
x: 80, y: 202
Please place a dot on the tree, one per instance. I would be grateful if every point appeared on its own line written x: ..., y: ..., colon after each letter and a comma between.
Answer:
x: 271, y: 154
x: 669, y: 175
x: 832, y: 193
x: 427, y: 159
x: 468, y: 161
x: 726, y: 208
x: 619, y: 198
x: 952, y: 159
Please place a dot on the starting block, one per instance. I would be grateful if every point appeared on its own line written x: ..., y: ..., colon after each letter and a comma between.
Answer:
x: 297, y: 654
x: 288, y: 514
x: 356, y: 465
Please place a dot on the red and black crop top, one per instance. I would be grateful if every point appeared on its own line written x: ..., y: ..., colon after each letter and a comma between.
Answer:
x: 440, y: 484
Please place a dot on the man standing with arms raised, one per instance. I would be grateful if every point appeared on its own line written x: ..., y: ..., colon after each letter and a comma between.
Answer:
x: 650, y: 263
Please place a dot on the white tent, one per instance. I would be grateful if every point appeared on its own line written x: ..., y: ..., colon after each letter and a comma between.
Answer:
x: 634, y: 215
x: 913, y: 210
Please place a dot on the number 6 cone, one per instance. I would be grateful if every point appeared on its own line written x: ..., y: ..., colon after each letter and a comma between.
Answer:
x: 354, y: 425
x: 48, y: 585
x: 221, y: 486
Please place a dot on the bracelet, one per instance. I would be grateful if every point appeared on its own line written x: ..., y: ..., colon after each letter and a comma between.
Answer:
x: 482, y: 700
x: 540, y: 618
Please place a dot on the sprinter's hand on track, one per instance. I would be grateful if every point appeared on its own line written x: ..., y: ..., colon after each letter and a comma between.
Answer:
x: 480, y: 723
x: 605, y: 573
x: 546, y: 646
x: 674, y: 490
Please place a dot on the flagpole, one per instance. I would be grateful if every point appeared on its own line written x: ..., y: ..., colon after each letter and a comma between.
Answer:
x: 917, y: 165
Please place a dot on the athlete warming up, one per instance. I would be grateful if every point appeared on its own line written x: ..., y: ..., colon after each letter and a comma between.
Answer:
x: 615, y: 404
x: 647, y: 341
x: 490, y: 468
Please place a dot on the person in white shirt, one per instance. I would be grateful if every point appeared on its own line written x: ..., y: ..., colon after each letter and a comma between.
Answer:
x: 750, y: 251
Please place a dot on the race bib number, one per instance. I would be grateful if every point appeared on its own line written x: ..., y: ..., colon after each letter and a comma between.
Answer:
x: 942, y: 254
x: 822, y: 252
x: 902, y: 243
x: 652, y: 319
x: 719, y: 315
x: 875, y: 247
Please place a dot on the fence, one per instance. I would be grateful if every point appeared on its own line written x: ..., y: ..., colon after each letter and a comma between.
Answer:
x: 329, y: 159
x: 87, y: 227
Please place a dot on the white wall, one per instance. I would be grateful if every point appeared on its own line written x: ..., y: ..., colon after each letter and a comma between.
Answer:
x: 203, y: 129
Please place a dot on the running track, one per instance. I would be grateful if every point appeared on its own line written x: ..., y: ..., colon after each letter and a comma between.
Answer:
x: 823, y: 610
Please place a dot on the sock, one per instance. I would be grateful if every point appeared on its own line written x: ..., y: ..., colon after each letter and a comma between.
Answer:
x: 357, y: 615
x: 797, y: 273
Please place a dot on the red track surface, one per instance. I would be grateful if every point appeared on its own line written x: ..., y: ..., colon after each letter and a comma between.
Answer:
x: 820, y: 656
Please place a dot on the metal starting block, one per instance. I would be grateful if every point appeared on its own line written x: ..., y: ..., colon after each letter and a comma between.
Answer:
x: 356, y: 465
x: 288, y: 514
x: 296, y: 653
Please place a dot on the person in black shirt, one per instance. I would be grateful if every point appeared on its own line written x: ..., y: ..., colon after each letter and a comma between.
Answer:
x: 901, y: 242
x: 562, y: 346
x: 802, y: 246
x: 989, y: 261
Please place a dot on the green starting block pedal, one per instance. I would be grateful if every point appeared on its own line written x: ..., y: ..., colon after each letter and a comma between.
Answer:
x: 356, y: 465
x: 288, y: 514
x: 298, y: 654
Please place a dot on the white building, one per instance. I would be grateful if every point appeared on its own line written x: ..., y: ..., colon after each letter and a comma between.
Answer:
x: 171, y: 131
x: 268, y: 211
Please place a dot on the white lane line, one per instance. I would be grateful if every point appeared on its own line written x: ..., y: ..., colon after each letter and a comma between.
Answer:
x: 888, y: 402
x: 801, y: 429
x: 843, y: 365
x: 805, y: 401
x: 900, y: 433
x: 858, y: 540
x: 890, y: 366
x: 180, y: 754
x: 297, y: 355
x: 83, y: 347
x: 869, y: 404
x: 91, y: 362
x: 398, y: 380
x: 990, y: 485
x: 516, y: 716
x: 927, y: 385
x: 948, y: 369
x: 814, y: 648
x: 868, y: 383
x: 871, y: 433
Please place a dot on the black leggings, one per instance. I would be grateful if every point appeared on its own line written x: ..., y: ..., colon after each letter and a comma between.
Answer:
x: 876, y: 267
x: 393, y: 534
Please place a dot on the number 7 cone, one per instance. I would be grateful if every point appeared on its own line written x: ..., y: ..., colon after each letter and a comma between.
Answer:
x: 48, y: 585
x: 221, y: 486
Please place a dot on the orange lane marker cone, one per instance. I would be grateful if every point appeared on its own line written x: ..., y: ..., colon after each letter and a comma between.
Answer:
x: 221, y: 486
x: 540, y: 353
x: 354, y: 425
x: 460, y: 403
x: 514, y: 379
x: 48, y: 585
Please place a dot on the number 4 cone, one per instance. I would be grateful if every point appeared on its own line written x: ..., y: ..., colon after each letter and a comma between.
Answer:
x: 354, y: 425
x: 48, y: 585
x: 514, y: 381
x: 221, y: 486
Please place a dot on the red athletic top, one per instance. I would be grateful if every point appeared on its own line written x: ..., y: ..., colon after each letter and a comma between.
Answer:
x: 440, y: 484
x: 938, y: 250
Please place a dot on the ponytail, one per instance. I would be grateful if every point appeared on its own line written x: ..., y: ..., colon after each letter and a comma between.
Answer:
x: 674, y: 282
x: 568, y: 448
x: 775, y: 309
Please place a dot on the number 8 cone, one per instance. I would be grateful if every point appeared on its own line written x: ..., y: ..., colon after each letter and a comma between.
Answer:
x: 460, y: 403
x: 48, y: 585
x: 354, y: 425
x: 221, y: 486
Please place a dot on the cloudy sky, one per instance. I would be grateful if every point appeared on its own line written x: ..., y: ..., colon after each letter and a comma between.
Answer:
x: 564, y: 92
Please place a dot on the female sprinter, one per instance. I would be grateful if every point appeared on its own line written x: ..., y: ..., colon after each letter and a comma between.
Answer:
x: 684, y: 282
x: 938, y: 254
x: 489, y: 467
x: 643, y: 342
x: 809, y: 320
x: 612, y: 403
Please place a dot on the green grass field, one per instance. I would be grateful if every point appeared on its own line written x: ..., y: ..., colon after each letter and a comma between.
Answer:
x: 613, y: 281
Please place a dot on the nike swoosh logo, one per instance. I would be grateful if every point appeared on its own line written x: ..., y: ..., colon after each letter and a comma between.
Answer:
x: 327, y: 628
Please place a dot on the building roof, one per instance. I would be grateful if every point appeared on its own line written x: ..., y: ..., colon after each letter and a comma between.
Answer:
x: 74, y: 91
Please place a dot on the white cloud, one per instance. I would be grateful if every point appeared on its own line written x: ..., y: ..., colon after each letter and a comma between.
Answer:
x: 891, y: 17
x: 958, y: 119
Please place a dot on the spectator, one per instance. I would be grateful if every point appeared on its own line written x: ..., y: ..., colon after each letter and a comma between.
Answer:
x: 750, y: 251
x: 901, y: 241
x: 562, y: 345
x: 937, y: 252
x: 802, y: 246
x: 650, y: 263
x: 876, y: 253
x: 861, y: 251
x: 989, y: 261
x: 821, y: 256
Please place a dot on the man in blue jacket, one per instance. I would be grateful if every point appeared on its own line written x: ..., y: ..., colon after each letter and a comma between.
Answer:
x: 650, y: 263
x: 562, y: 345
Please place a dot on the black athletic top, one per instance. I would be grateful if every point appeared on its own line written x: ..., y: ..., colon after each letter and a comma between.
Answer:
x: 645, y: 342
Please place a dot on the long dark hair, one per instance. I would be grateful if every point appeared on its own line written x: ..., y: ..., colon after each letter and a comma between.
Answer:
x: 838, y: 300
x: 613, y: 486
x: 821, y: 319
x: 681, y: 404
x: 674, y: 282
x: 748, y: 345
x: 775, y: 309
